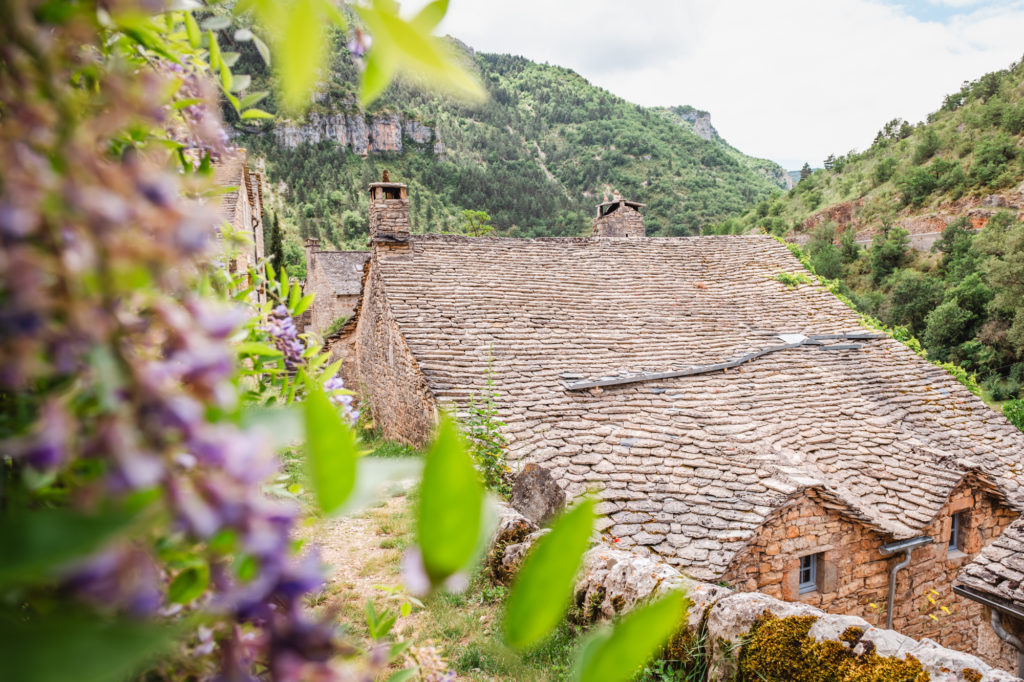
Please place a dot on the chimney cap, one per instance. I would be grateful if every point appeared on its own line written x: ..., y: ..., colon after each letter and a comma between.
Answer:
x: 627, y: 202
x: 387, y: 184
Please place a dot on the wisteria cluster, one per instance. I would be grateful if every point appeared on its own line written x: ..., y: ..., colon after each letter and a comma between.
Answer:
x: 280, y: 325
x: 116, y: 378
x: 198, y: 125
x: 432, y: 667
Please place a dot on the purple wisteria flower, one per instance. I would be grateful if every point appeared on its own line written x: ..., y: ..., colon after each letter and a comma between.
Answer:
x: 281, y: 328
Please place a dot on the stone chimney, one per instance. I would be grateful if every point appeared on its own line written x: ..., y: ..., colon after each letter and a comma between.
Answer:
x: 312, y: 246
x: 619, y: 218
x: 389, y: 212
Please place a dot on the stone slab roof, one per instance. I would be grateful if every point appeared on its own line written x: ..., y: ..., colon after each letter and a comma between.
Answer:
x: 344, y: 270
x: 998, y: 570
x: 230, y: 171
x: 691, y: 466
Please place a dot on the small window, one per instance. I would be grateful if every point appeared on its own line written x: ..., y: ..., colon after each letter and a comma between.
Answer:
x: 808, y: 573
x: 956, y: 531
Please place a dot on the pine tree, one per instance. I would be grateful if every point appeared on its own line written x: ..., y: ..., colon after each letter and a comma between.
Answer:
x: 830, y: 162
x: 805, y: 172
x: 275, y: 248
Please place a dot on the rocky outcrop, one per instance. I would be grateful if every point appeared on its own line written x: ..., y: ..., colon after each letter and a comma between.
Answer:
x: 360, y: 132
x: 535, y: 494
x: 720, y: 621
x: 925, y: 227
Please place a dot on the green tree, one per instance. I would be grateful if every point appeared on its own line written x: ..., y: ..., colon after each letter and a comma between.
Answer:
x: 475, y: 223
x: 884, y: 170
x: 275, y: 242
x: 914, y: 296
x: 889, y: 250
x: 927, y: 147
x: 946, y: 326
x: 805, y: 172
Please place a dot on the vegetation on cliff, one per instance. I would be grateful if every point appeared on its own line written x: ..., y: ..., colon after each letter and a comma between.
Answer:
x: 536, y: 156
x: 953, y: 172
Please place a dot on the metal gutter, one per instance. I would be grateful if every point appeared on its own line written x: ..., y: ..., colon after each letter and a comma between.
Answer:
x: 998, y: 608
x: 907, y: 547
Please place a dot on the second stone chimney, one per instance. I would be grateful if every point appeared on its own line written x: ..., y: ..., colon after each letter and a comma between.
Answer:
x: 312, y: 246
x: 619, y: 218
x: 389, y: 211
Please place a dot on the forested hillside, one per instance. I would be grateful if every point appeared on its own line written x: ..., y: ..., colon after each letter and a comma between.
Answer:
x: 960, y: 174
x: 536, y: 156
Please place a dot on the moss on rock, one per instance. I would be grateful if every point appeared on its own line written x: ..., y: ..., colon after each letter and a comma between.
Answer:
x: 779, y: 650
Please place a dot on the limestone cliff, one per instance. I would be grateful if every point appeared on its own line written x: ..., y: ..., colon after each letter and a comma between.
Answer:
x: 361, y: 132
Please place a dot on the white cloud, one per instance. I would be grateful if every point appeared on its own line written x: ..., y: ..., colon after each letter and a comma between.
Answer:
x: 790, y: 81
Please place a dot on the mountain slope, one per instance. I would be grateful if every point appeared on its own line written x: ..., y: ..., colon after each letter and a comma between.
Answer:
x: 537, y: 156
x: 955, y: 182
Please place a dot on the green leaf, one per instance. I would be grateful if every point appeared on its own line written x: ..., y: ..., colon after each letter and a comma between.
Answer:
x: 409, y: 48
x: 192, y: 30
x: 240, y: 82
x: 258, y: 348
x: 540, y: 594
x: 451, y: 503
x: 403, y: 675
x: 331, y: 450
x: 301, y: 52
x: 616, y: 654
x: 183, y: 103
x: 214, y: 50
x: 226, y: 79
x: 33, y: 545
x: 189, y: 584
x: 250, y: 100
x: 377, y: 76
x: 230, y: 58
x: 249, y: 114
x: 216, y: 23
x: 430, y: 16
x: 302, y: 305
x: 262, y: 48
x: 79, y: 647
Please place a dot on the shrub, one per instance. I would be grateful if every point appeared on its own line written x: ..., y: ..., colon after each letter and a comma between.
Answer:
x: 927, y: 147
x: 884, y: 170
x: 991, y: 158
x: 946, y: 326
x: 914, y: 295
x: 1014, y: 411
x: 1001, y: 388
x: 916, y: 184
x: 888, y: 251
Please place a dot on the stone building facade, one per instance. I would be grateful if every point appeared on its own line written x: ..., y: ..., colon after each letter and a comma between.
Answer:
x: 733, y: 427
x: 336, y: 279
x: 241, y: 206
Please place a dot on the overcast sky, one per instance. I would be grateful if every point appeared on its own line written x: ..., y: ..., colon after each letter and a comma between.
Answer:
x: 792, y: 80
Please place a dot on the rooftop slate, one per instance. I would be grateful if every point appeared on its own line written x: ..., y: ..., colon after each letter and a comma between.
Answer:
x: 690, y: 467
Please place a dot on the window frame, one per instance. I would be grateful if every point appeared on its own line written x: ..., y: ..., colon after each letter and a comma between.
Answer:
x: 956, y: 529
x: 811, y: 584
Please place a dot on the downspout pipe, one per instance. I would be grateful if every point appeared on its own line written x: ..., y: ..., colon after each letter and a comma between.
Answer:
x: 907, y: 547
x: 997, y: 624
x: 998, y: 607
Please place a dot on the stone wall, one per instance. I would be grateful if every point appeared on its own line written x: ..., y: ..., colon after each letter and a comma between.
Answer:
x: 386, y: 372
x: 853, y: 576
x: 719, y: 621
x: 625, y: 221
x: 389, y: 218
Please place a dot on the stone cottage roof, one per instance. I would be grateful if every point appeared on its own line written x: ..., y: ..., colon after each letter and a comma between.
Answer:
x: 691, y: 466
x: 231, y: 171
x: 344, y: 270
x: 998, y: 571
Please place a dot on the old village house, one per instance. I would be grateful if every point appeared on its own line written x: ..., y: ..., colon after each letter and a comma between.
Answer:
x: 741, y: 429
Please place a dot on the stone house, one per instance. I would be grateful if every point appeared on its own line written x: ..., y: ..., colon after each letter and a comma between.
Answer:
x: 995, y: 579
x: 241, y: 206
x: 336, y: 277
x: 740, y: 429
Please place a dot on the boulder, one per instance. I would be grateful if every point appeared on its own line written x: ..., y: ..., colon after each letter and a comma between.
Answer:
x: 535, y: 494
